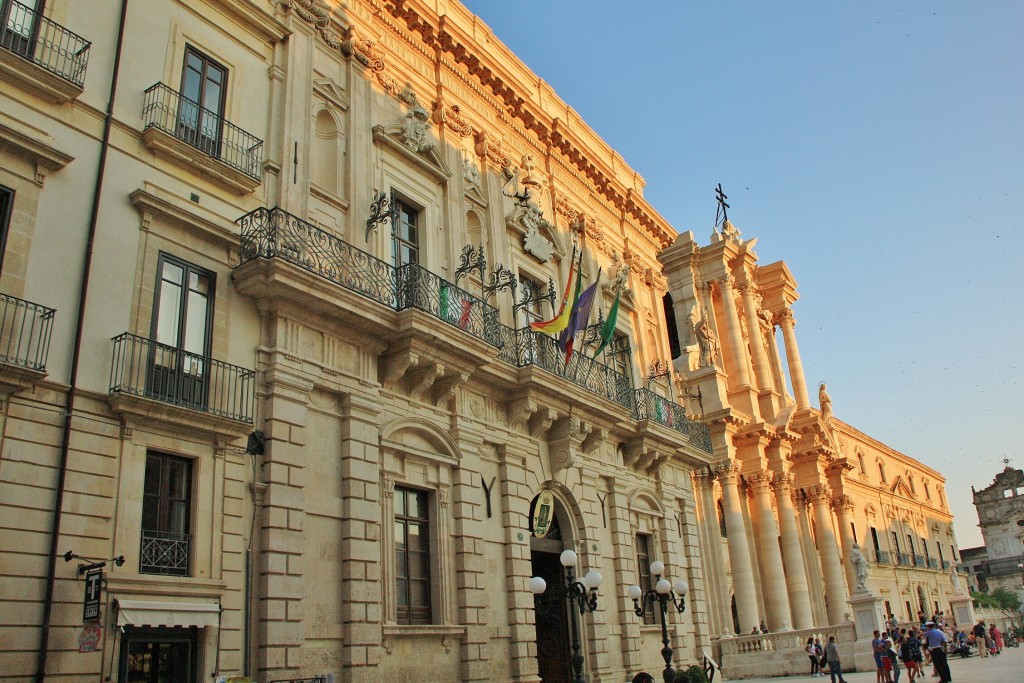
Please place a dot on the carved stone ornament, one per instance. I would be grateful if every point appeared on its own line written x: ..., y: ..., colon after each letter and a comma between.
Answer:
x: 528, y: 220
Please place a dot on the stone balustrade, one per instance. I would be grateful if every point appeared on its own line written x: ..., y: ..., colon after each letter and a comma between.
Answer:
x: 781, y: 653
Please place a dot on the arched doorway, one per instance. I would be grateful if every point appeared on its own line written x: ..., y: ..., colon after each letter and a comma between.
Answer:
x: 551, y: 609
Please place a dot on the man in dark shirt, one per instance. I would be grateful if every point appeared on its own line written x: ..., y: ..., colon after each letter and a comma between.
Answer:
x: 979, y: 637
x: 936, y: 641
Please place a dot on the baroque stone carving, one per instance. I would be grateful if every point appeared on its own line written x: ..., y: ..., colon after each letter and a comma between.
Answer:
x: 707, y: 341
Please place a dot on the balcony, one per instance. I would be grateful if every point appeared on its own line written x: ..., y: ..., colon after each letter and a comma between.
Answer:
x: 40, y: 54
x: 164, y: 553
x: 650, y: 406
x: 162, y: 382
x: 882, y: 557
x: 179, y: 129
x: 903, y: 559
x: 25, y: 330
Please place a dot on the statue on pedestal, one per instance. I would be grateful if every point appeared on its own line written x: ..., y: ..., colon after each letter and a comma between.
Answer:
x: 860, y: 566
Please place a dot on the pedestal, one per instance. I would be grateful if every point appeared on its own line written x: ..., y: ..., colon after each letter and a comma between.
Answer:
x: 963, y: 610
x: 867, y: 618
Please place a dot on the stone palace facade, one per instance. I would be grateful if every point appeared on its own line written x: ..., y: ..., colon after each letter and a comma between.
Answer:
x: 271, y: 408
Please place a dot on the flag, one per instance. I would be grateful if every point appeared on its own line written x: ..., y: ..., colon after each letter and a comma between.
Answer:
x: 451, y: 303
x: 608, y: 329
x: 578, y: 318
x: 559, y: 322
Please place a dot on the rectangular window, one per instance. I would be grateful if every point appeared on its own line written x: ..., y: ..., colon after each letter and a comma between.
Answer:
x: 617, y: 353
x: 643, y: 570
x: 531, y: 294
x: 853, y: 529
x: 412, y: 557
x: 6, y: 206
x: 203, y: 90
x: 166, y: 515
x: 182, y: 322
x: 20, y: 25
x: 405, y: 236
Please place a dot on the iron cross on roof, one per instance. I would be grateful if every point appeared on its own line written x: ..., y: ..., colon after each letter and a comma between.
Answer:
x: 721, y: 214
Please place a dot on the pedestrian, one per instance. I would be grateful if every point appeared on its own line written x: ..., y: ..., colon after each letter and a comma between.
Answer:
x: 937, y: 642
x: 812, y: 654
x: 998, y: 635
x: 835, y: 667
x: 979, y: 637
x: 890, y: 668
x: 821, y: 656
x: 876, y: 652
x: 763, y: 627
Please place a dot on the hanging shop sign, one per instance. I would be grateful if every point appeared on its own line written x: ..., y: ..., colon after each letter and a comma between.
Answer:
x: 543, y: 513
x: 93, y: 586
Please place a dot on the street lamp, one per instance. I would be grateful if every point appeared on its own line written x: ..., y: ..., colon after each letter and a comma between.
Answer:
x: 582, y: 596
x: 661, y: 594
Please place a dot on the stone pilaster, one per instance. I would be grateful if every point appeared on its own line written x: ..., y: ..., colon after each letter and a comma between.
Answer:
x: 831, y: 568
x: 624, y: 552
x: 796, y: 366
x: 361, y: 571
x: 281, y: 564
x: 739, y: 550
x: 773, y: 576
x: 719, y: 620
x: 515, y: 508
x: 470, y: 567
x: 792, y: 557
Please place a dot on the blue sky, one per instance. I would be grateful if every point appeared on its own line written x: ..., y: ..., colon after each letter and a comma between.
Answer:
x: 876, y: 147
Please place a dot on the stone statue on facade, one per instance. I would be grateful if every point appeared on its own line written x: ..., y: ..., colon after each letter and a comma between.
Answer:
x: 706, y: 339
x: 860, y: 567
x: 954, y: 578
x: 825, y: 401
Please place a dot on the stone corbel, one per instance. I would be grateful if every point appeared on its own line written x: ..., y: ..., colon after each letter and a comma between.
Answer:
x: 593, y: 440
x: 633, y: 452
x: 444, y: 389
x: 565, y: 440
x: 519, y: 411
x: 423, y: 378
x: 541, y: 421
x: 394, y: 367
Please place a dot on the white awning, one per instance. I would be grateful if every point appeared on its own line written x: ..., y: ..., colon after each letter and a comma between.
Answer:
x: 146, y: 613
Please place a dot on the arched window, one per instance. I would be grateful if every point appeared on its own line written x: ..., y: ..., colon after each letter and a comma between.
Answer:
x: 863, y: 466
x: 881, y: 471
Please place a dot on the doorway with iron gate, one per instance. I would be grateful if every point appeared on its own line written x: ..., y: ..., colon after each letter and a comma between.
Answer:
x: 551, y: 609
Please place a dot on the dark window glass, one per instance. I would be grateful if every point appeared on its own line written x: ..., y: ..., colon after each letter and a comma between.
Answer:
x: 412, y: 557
x: 166, y: 515
x: 643, y: 570
x: 405, y: 243
x: 182, y: 320
x: 675, y: 348
x: 6, y: 206
x: 203, y: 89
x: 19, y: 25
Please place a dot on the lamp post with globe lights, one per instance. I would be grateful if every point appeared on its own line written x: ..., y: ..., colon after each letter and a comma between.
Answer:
x: 582, y: 596
x: 662, y: 594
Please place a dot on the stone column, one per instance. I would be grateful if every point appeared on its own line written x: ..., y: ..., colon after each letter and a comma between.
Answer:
x: 773, y: 577
x: 792, y: 557
x: 714, y: 561
x: 361, y: 508
x: 739, y: 551
x: 735, y: 337
x: 831, y: 569
x: 762, y: 370
x: 281, y: 562
x: 796, y: 366
x: 843, y: 506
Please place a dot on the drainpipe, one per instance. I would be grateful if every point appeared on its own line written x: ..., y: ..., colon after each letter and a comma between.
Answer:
x: 69, y: 403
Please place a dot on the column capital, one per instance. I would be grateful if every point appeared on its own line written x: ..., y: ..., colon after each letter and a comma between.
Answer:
x: 703, y: 478
x: 726, y: 280
x: 784, y: 316
x: 760, y: 480
x: 842, y: 502
x: 727, y: 472
x: 782, y: 482
x: 819, y: 493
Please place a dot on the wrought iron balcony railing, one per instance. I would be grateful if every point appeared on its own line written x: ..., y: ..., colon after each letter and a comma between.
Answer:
x: 419, y: 288
x: 882, y: 557
x: 903, y: 559
x: 142, y: 367
x: 920, y: 561
x: 945, y: 565
x: 650, y: 406
x: 24, y: 333
x: 30, y: 35
x: 164, y: 553
x: 165, y: 109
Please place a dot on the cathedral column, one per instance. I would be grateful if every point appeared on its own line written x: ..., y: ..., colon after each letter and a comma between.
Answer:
x: 796, y: 366
x: 732, y: 330
x: 773, y: 576
x: 831, y: 568
x: 843, y: 506
x: 792, y: 556
x: 739, y: 553
x: 714, y: 561
x: 762, y: 370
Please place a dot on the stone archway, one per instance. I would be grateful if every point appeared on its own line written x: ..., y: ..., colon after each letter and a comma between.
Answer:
x: 551, y: 609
